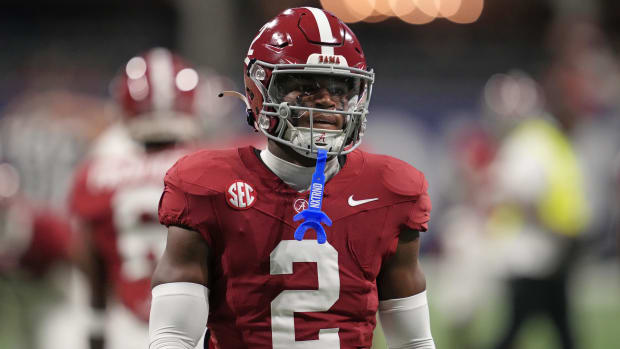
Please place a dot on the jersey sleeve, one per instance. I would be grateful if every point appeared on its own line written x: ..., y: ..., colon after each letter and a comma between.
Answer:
x: 420, y: 212
x: 177, y: 207
x: 406, y: 183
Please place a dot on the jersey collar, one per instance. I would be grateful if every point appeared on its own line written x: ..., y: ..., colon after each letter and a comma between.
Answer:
x: 250, y: 156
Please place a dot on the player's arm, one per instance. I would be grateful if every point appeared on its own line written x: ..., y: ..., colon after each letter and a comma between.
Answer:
x: 88, y: 259
x: 86, y: 255
x: 403, y: 309
x: 180, y: 305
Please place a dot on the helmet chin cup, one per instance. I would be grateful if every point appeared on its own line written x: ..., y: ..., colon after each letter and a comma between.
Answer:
x: 306, y: 141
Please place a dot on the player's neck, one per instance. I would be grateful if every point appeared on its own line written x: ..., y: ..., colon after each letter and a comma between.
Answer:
x: 289, y: 154
x: 296, y: 176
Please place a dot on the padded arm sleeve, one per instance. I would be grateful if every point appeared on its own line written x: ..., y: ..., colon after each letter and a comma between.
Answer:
x: 406, y: 322
x: 179, y: 313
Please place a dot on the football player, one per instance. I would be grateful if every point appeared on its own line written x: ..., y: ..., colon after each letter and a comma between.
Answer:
x: 115, y: 192
x: 231, y: 258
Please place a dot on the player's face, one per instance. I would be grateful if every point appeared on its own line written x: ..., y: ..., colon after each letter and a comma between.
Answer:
x: 317, y: 91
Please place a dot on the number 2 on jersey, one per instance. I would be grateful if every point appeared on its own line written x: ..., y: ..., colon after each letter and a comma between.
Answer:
x: 284, y: 306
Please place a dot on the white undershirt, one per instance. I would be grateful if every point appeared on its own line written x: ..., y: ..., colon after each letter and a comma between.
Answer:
x: 297, y: 177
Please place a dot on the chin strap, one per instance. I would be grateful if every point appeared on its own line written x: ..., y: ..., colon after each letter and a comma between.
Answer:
x: 313, y: 215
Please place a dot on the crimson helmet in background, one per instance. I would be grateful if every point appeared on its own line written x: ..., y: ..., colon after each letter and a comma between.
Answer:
x: 156, y: 92
x: 307, y: 48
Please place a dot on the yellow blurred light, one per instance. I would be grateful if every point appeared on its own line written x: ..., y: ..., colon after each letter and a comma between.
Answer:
x: 469, y: 12
x: 363, y: 8
x: 376, y: 17
x: 428, y: 7
x: 341, y: 10
x: 410, y: 11
x: 449, y: 8
x: 383, y: 7
x: 417, y: 16
x: 402, y: 7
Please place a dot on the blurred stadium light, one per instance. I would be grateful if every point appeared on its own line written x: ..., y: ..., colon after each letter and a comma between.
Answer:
x: 410, y: 11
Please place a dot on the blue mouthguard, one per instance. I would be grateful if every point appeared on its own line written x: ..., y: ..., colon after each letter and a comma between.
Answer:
x: 313, y: 215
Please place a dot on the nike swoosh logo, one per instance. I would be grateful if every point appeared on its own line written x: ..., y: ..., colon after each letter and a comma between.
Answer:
x: 359, y: 202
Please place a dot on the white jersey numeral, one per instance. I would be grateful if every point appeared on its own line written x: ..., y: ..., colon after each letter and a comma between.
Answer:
x: 288, y: 302
x: 139, y: 235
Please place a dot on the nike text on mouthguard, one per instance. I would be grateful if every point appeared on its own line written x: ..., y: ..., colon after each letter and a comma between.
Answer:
x: 313, y: 215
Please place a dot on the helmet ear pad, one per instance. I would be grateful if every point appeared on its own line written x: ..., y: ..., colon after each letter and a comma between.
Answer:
x: 256, y: 96
x: 255, y: 99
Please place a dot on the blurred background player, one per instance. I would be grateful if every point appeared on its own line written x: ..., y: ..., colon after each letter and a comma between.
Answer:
x: 116, y: 190
x: 36, y: 254
x: 42, y: 136
x: 547, y: 180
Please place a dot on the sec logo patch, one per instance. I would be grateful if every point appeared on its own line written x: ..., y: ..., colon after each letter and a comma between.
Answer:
x: 240, y: 195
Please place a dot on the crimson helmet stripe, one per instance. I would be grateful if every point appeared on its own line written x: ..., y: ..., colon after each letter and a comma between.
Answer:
x: 325, y: 30
x: 161, y: 75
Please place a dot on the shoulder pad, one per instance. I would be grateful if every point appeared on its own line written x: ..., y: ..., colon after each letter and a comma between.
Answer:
x: 398, y: 176
x: 205, y: 172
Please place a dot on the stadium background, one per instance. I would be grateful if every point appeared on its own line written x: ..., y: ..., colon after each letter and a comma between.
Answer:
x: 434, y: 78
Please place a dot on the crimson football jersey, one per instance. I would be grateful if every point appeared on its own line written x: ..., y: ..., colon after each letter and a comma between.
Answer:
x: 117, y: 196
x: 271, y: 291
x: 51, y: 241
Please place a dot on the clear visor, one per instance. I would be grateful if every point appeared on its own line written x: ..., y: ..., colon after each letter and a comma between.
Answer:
x: 315, y: 90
